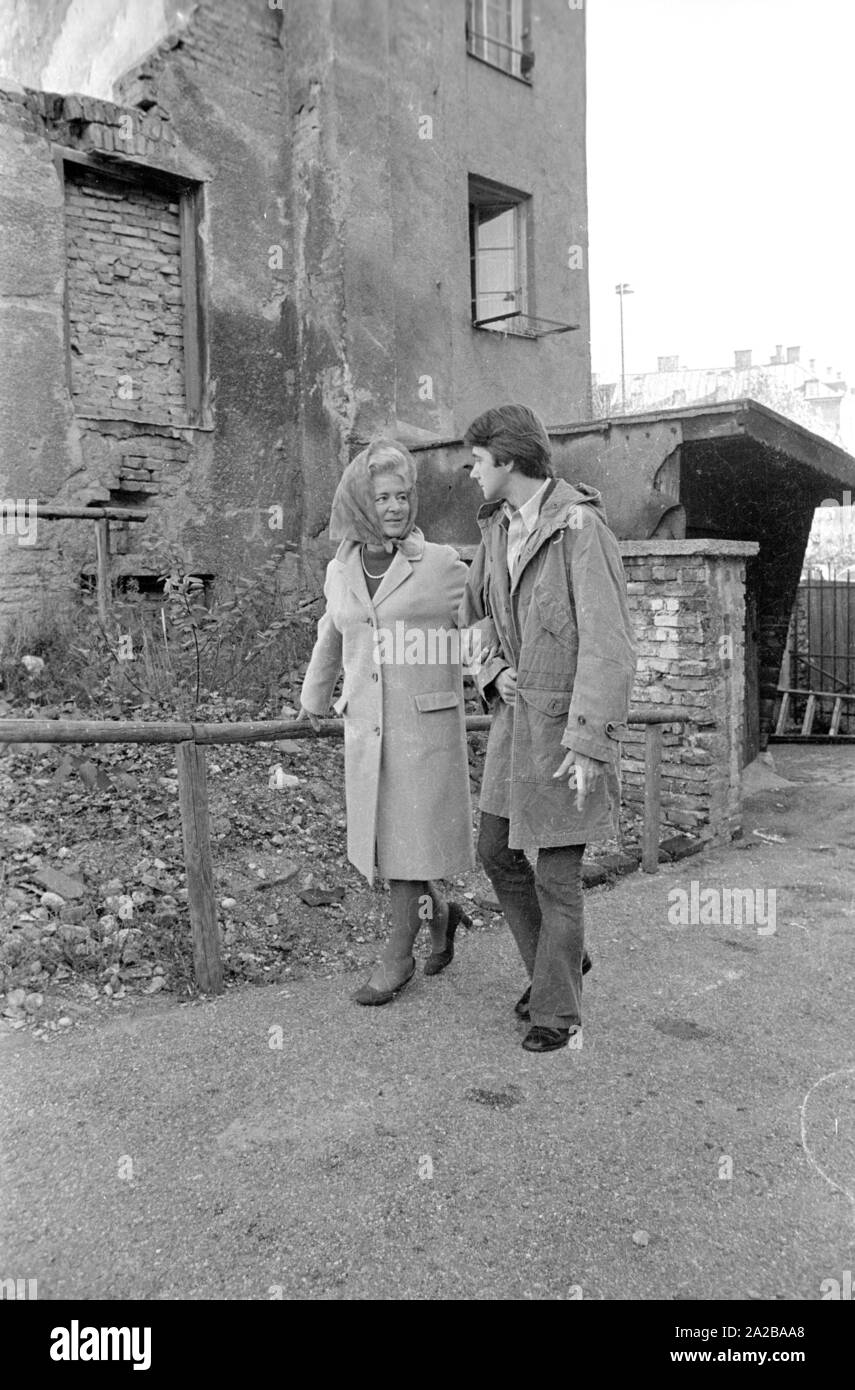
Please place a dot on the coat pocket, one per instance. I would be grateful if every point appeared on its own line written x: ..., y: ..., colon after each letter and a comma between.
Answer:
x: 551, y: 702
x: 554, y: 615
x: 437, y: 699
x: 539, y: 723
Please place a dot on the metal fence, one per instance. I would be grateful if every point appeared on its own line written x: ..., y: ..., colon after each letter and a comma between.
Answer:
x: 817, y: 685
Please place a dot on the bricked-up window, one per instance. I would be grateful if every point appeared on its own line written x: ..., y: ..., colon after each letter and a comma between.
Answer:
x: 499, y: 257
x: 135, y: 345
x: 497, y: 32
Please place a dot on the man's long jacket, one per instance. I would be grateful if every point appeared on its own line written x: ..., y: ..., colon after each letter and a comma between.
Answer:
x: 563, y: 624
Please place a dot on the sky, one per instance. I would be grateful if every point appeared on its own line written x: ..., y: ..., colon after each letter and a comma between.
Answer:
x: 721, y: 169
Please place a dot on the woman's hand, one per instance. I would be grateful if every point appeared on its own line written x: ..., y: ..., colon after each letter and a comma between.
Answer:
x: 583, y: 773
x: 506, y: 685
x: 314, y: 719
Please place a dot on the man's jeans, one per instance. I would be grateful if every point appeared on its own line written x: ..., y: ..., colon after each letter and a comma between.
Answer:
x: 543, y: 908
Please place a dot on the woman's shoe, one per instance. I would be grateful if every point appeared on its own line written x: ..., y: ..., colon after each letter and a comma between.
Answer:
x: 438, y: 960
x: 371, y: 996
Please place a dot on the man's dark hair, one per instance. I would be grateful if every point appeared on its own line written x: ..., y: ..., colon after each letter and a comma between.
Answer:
x: 513, y: 433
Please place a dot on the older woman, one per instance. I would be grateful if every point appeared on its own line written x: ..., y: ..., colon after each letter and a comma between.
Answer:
x: 391, y: 622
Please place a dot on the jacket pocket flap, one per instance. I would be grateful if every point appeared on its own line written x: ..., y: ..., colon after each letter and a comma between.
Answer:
x: 437, y: 699
x: 554, y: 615
x: 547, y: 701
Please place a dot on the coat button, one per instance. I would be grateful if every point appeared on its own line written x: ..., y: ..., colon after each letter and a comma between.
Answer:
x: 377, y: 730
x: 374, y: 676
x: 581, y: 719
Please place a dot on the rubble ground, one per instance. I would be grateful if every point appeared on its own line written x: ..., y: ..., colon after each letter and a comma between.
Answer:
x: 93, y: 901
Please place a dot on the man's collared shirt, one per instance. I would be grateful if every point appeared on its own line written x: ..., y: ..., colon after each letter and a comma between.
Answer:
x: 521, y: 524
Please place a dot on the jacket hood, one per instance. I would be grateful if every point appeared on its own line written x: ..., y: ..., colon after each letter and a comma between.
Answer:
x: 555, y: 505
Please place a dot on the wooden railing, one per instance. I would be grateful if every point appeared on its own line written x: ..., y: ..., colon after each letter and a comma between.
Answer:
x: 102, y: 516
x: 190, y: 741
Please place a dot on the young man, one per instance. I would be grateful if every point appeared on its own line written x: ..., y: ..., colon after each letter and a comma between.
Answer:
x: 547, y: 593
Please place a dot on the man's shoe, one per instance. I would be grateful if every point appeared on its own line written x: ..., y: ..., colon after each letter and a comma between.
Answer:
x: 547, y: 1039
x: 371, y: 996
x: 521, y: 1006
x: 438, y: 960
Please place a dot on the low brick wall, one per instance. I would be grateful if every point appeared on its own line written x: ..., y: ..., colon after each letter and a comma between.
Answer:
x: 687, y: 600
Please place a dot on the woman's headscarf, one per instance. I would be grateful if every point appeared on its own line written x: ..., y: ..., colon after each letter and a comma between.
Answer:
x: 354, y: 517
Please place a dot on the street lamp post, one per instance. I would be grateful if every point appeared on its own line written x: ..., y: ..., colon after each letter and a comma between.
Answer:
x: 621, y: 290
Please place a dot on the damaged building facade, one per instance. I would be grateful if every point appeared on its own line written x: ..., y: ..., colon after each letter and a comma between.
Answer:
x: 298, y: 227
x: 276, y: 243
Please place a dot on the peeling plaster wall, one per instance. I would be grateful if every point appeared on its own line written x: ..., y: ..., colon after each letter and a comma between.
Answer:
x: 327, y: 392
x: 81, y: 45
x: 336, y: 252
x: 222, y: 84
x: 39, y: 442
x: 406, y: 236
x: 48, y: 450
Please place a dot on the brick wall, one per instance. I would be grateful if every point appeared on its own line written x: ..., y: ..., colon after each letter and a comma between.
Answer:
x: 125, y: 309
x: 100, y: 254
x: 687, y: 600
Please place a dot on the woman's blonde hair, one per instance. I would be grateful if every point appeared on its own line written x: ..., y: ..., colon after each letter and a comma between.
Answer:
x: 388, y: 456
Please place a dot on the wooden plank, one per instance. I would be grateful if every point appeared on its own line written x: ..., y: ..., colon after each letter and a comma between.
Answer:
x: 91, y: 731
x: 652, y: 798
x: 127, y: 731
x: 835, y: 717
x: 188, y: 218
x: 195, y: 829
x: 813, y: 738
x: 102, y: 569
x: 118, y: 167
x: 254, y: 731
x: 48, y: 513
x: 810, y: 710
x: 783, y: 713
x: 57, y: 155
x: 818, y: 694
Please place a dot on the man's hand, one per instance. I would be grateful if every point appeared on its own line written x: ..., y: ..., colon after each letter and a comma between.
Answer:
x: 314, y: 719
x: 582, y: 772
x: 475, y: 655
x: 480, y: 644
x: 506, y: 685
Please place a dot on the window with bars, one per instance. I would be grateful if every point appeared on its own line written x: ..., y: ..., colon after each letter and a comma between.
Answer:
x: 498, y: 251
x: 497, y: 32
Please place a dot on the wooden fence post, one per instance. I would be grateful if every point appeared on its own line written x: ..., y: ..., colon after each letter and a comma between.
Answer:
x: 193, y: 800
x: 102, y: 569
x: 652, y: 797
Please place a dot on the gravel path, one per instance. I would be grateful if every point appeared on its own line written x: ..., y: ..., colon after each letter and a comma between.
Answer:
x: 280, y: 1141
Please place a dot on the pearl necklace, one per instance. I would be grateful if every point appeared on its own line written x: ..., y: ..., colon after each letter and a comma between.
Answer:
x: 367, y: 572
